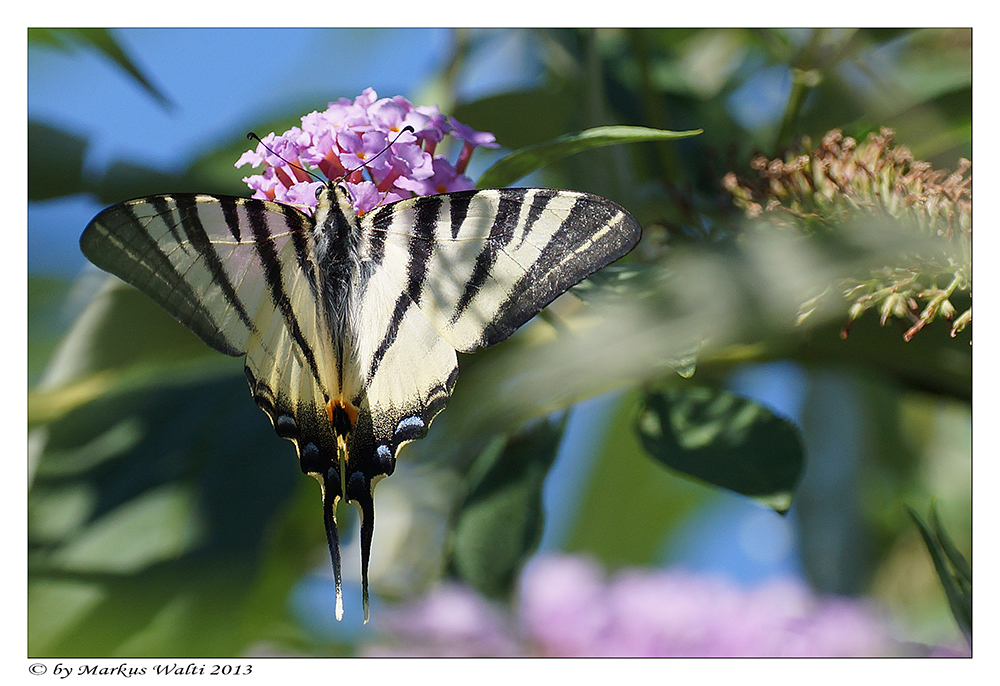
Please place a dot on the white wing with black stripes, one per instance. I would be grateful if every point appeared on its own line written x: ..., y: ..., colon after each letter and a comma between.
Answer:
x: 242, y: 274
x: 350, y: 326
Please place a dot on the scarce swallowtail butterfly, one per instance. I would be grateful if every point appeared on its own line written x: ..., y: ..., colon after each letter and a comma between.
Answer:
x: 349, y: 325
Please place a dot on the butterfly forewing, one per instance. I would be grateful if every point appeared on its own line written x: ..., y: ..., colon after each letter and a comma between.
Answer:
x: 197, y: 256
x: 479, y: 264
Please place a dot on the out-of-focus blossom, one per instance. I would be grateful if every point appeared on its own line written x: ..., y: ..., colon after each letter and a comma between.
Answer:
x: 568, y: 607
x: 348, y: 142
x: 451, y: 622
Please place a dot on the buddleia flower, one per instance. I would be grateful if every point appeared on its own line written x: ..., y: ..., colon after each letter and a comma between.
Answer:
x: 845, y: 185
x: 382, y: 149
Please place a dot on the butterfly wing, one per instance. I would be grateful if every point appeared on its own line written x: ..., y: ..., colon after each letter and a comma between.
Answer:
x: 479, y: 264
x: 241, y: 274
x: 456, y: 272
x: 459, y: 272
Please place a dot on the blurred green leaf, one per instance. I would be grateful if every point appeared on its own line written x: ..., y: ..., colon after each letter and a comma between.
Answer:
x: 953, y: 570
x: 499, y: 523
x: 104, y: 42
x: 724, y: 440
x: 123, y: 340
x: 519, y: 118
x: 55, y: 162
x: 629, y: 504
x: 522, y: 162
x: 124, y: 180
x: 49, y: 317
x: 149, y: 516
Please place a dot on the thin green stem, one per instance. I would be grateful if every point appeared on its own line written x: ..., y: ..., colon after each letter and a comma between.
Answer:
x: 804, y: 78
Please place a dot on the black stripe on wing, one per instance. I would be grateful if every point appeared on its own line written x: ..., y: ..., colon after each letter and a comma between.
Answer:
x: 274, y: 277
x: 419, y: 246
x: 479, y: 264
x: 187, y: 211
x: 154, y: 243
x: 501, y: 234
x: 595, y: 233
x: 399, y: 311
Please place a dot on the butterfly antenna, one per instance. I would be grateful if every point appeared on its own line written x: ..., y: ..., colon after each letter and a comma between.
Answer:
x: 254, y: 137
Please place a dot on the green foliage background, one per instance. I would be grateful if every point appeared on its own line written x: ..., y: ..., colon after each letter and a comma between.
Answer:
x: 166, y: 518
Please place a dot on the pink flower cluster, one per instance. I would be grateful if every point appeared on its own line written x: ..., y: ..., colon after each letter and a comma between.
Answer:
x: 568, y: 608
x: 349, y: 141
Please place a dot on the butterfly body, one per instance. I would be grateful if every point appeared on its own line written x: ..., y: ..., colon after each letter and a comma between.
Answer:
x: 350, y: 325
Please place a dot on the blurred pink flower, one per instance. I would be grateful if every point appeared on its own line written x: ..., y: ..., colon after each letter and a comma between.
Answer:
x: 568, y: 607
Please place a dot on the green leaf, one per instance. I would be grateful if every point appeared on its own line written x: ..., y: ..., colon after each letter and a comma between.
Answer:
x: 500, y: 522
x: 123, y: 340
x: 124, y: 179
x: 724, y: 440
x: 532, y: 158
x: 953, y: 570
x: 150, y: 516
x: 55, y: 162
x: 520, y: 118
x: 47, y: 321
x: 104, y: 42
x: 630, y: 504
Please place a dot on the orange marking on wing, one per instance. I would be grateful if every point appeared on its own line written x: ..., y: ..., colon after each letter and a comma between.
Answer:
x: 348, y: 409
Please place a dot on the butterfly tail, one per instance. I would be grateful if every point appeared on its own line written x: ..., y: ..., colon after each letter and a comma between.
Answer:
x: 361, y: 494
x: 331, y: 494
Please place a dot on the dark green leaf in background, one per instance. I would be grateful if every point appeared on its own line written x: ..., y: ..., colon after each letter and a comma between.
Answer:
x: 630, y: 504
x: 51, y: 149
x: 151, y: 517
x: 499, y: 524
x: 530, y: 117
x: 724, y: 440
x: 954, y: 572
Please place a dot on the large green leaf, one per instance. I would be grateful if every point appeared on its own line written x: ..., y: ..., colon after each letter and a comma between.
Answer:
x: 725, y: 440
x: 499, y: 524
x: 629, y: 504
x: 156, y: 489
x: 519, y: 118
x: 122, y: 340
x: 522, y: 162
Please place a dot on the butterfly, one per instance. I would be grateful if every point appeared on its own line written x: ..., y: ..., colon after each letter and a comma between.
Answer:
x: 350, y: 324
